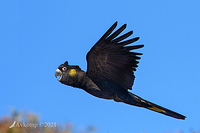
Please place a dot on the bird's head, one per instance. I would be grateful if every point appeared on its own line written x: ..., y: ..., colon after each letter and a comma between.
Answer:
x: 67, y: 73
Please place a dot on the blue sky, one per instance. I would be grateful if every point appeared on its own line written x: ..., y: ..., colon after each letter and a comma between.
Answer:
x: 37, y: 36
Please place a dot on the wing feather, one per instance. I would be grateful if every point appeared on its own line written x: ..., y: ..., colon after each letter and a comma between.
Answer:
x: 116, y: 33
x: 123, y: 37
x: 111, y: 60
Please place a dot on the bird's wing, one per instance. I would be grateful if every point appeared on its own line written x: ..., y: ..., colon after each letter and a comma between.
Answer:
x: 111, y: 60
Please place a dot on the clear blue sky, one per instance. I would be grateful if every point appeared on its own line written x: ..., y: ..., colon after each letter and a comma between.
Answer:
x: 37, y: 36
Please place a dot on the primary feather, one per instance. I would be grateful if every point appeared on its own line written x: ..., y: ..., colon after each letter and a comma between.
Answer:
x: 111, y: 60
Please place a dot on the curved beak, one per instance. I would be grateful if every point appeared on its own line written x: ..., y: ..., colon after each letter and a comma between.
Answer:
x: 58, y: 73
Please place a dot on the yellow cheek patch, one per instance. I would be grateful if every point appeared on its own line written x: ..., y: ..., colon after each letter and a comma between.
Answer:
x: 156, y: 109
x: 72, y: 72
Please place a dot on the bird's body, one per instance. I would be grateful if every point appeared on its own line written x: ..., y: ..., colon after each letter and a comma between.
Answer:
x: 110, y: 71
x: 104, y: 90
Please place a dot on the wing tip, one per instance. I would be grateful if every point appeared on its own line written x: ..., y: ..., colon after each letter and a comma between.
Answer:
x: 115, y: 24
x: 124, y: 26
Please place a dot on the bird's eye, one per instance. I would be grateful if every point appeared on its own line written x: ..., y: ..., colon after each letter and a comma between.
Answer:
x: 64, y: 68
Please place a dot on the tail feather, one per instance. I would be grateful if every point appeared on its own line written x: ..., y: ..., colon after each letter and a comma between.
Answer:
x: 151, y: 106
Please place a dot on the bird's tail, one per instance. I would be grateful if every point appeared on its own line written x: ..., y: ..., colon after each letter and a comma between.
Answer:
x: 151, y: 106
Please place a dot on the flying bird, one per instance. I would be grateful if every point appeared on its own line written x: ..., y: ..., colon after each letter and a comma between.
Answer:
x: 110, y: 71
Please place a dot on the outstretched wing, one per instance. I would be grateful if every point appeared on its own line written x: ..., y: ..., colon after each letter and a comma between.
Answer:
x: 111, y: 60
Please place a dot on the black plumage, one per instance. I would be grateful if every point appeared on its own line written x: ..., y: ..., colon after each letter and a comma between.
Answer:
x: 110, y: 71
